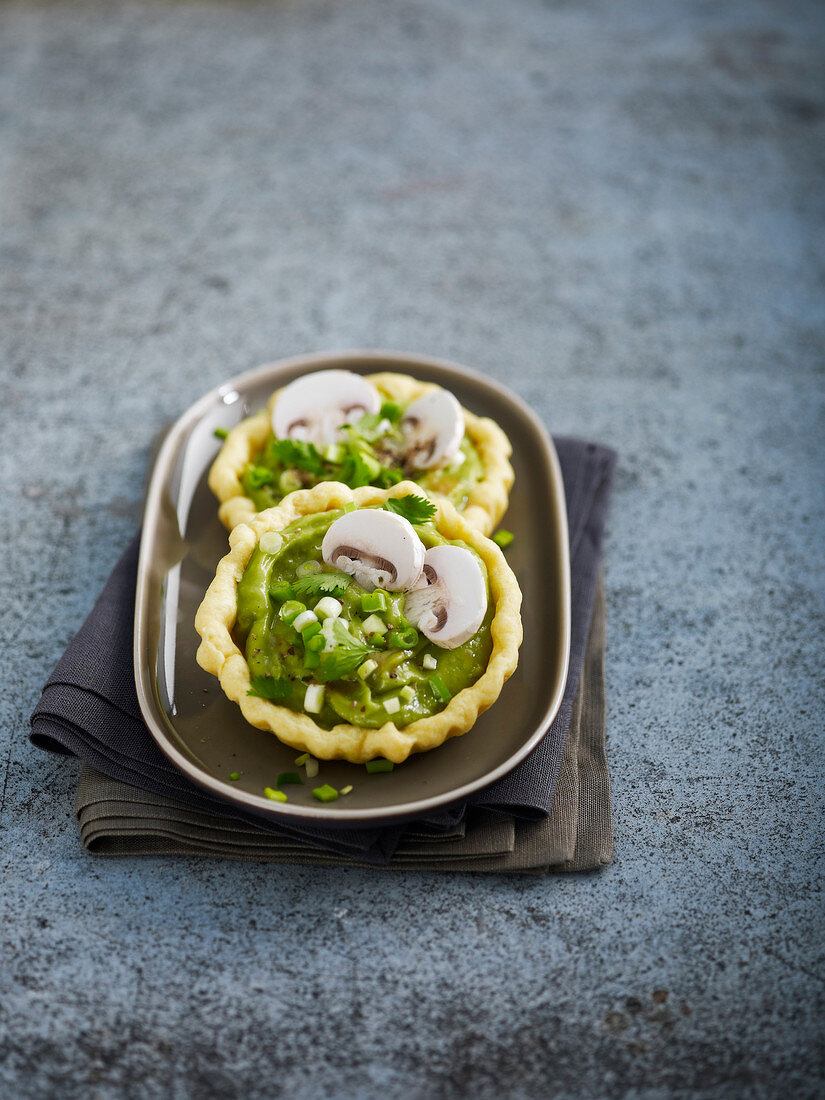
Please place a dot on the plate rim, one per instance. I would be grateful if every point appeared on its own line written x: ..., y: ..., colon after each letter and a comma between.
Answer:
x: 337, y: 814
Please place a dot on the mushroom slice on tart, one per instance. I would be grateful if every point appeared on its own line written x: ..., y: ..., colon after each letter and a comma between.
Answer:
x: 313, y: 409
x: 449, y: 601
x: 412, y: 428
x: 377, y: 548
x: 433, y: 428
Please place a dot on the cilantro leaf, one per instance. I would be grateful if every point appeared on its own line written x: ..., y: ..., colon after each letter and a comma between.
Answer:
x: 265, y: 687
x: 321, y: 584
x: 347, y: 653
x: 337, y: 662
x: 413, y: 508
x: 293, y: 452
x: 356, y: 471
x: 258, y: 476
x: 389, y: 477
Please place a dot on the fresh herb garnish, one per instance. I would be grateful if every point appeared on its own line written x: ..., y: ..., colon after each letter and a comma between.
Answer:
x: 413, y: 508
x: 335, y: 663
x: 258, y: 476
x: 266, y: 687
x: 220, y: 433
x: 388, y: 477
x: 321, y: 584
x: 503, y: 538
x: 356, y: 471
x: 285, y: 779
x: 293, y: 452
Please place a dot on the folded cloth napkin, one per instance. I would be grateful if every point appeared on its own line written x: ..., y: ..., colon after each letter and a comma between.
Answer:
x: 89, y: 706
x: 118, y: 819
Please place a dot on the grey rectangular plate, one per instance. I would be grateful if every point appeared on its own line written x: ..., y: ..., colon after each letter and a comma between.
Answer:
x: 205, y: 735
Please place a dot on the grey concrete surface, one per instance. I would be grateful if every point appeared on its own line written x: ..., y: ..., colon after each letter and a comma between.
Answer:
x: 617, y: 209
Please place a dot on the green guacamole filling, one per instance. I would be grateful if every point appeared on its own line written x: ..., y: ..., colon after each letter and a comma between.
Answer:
x: 369, y: 658
x: 369, y: 455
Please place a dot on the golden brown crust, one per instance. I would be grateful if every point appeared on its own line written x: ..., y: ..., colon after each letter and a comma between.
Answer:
x: 486, y: 500
x: 219, y: 655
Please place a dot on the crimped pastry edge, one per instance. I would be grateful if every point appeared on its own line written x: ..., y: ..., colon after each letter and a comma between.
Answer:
x: 487, y: 499
x: 219, y: 655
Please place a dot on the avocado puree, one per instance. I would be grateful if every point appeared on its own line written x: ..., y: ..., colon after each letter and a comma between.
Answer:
x: 274, y: 648
x: 365, y: 457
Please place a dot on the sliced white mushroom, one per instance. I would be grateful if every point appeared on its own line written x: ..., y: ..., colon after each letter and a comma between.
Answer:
x: 450, y: 600
x: 378, y: 548
x: 312, y: 408
x: 433, y: 428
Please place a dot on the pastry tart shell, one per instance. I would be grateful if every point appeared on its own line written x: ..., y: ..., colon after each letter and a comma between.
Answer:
x: 219, y: 655
x: 486, y: 499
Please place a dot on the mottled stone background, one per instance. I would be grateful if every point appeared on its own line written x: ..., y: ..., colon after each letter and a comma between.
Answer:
x: 617, y: 209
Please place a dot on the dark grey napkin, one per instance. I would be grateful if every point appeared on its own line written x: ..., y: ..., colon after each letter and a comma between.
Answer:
x: 89, y: 706
x: 117, y: 819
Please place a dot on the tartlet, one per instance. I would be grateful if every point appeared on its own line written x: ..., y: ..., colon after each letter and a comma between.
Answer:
x: 217, y: 623
x: 482, y: 501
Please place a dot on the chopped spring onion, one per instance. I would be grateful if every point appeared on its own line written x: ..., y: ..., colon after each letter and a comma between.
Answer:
x: 259, y: 476
x: 220, y: 433
x: 351, y: 507
x: 314, y: 700
x: 347, y: 789
x: 310, y: 630
x: 392, y: 705
x: 312, y: 658
x: 270, y: 542
x: 307, y: 568
x: 281, y: 592
x: 301, y: 760
x: 390, y: 411
x: 374, y: 601
x: 429, y: 662
x: 291, y: 610
x: 440, y: 688
x: 374, y: 625
x: 274, y: 796
x: 289, y: 481
x: 405, y: 638
x: 329, y: 607
x: 287, y: 778
x: 234, y: 775
x: 379, y: 765
x: 325, y: 793
x: 304, y: 619
x: 315, y: 642
x: 312, y: 767
x: 503, y: 538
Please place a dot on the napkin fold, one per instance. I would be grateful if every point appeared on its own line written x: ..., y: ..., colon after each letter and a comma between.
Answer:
x: 130, y: 798
x: 117, y: 819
